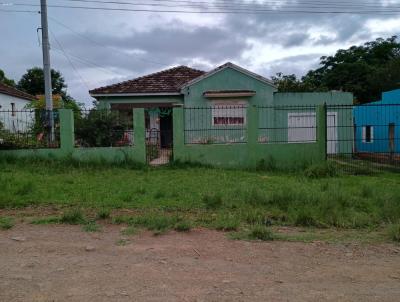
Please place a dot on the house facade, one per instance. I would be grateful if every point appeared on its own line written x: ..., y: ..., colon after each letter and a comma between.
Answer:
x: 12, y: 102
x: 377, y: 125
x: 219, y: 99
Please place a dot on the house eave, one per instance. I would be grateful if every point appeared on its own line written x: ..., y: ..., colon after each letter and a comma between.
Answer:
x: 134, y: 94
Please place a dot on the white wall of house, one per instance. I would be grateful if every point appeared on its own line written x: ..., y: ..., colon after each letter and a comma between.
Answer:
x: 13, y: 114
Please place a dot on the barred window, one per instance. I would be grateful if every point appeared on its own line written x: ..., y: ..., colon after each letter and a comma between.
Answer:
x: 229, y: 113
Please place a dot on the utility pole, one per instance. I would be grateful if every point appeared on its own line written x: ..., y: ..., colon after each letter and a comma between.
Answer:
x: 47, y: 68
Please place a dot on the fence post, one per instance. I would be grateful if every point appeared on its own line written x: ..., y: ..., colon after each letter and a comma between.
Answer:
x: 252, y: 134
x: 67, y: 130
x: 139, y: 133
x: 178, y: 132
x: 322, y: 131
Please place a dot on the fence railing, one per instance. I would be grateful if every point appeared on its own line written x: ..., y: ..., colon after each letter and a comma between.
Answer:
x: 364, y: 136
x: 103, y: 128
x: 287, y: 124
x: 215, y: 125
x: 29, y: 129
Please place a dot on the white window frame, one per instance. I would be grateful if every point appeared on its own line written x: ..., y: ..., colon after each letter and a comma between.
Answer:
x: 364, y: 134
x: 302, y: 114
x: 241, y: 112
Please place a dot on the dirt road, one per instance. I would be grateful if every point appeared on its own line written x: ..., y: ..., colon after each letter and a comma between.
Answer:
x: 63, y: 263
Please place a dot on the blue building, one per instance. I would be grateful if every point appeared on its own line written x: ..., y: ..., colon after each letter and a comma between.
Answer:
x: 377, y: 125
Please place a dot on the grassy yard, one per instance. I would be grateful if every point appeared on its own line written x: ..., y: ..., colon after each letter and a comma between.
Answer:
x: 245, y: 201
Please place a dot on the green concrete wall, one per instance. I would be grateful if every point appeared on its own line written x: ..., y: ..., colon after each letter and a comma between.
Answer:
x: 252, y: 153
x: 229, y: 79
x: 136, y: 153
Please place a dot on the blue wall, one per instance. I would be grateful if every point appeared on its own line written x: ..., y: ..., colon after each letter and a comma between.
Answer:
x: 379, y: 115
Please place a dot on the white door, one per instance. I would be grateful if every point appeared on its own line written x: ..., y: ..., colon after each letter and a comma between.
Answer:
x: 332, y: 137
x: 302, y: 127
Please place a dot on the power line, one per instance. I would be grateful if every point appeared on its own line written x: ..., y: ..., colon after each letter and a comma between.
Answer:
x: 18, y: 11
x: 255, y: 11
x: 103, y: 45
x: 233, y: 5
x: 69, y: 60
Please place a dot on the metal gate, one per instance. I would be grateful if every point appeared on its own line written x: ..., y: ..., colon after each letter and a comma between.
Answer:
x: 158, y: 146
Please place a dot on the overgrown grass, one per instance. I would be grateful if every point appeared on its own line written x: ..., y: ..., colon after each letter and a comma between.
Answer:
x: 91, y: 226
x: 167, y: 198
x: 394, y: 232
x: 6, y: 223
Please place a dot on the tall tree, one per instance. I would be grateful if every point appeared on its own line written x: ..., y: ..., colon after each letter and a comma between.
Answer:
x: 32, y: 82
x: 365, y: 70
x: 5, y: 80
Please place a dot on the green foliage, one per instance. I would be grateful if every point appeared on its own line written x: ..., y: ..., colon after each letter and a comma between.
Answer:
x: 6, y: 223
x: 260, y: 232
x: 226, y: 222
x: 212, y: 201
x: 32, y: 81
x: 365, y: 70
x: 326, y: 169
x: 158, y: 222
x: 73, y: 216
x: 268, y: 164
x: 183, y: 226
x: 129, y: 231
x: 5, y: 80
x: 100, y: 128
x: 91, y: 226
x: 103, y: 214
x: 394, y: 232
x: 46, y: 220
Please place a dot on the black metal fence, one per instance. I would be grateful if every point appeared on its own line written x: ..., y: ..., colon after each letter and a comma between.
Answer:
x: 103, y: 128
x: 215, y: 125
x: 364, y: 138
x: 29, y: 129
x: 287, y: 124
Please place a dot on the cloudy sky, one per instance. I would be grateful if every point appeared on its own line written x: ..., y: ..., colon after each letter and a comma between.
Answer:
x: 105, y: 47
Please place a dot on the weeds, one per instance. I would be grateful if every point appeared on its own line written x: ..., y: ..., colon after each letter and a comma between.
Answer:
x: 46, y: 220
x: 183, y: 226
x: 326, y: 169
x: 260, y: 232
x: 6, y: 223
x: 91, y: 227
x: 74, y: 216
x: 129, y: 231
x: 103, y: 214
x: 226, y: 222
x: 394, y: 232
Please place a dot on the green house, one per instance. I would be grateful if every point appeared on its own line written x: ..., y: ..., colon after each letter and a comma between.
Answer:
x: 216, y: 103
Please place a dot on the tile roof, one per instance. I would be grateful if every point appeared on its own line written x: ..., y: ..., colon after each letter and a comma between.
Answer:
x: 166, y: 81
x: 8, y: 90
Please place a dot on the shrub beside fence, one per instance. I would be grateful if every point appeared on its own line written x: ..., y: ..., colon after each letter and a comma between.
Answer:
x: 103, y: 128
x: 29, y: 129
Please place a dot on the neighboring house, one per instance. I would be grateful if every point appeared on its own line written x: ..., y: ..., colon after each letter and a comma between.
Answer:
x: 12, y: 103
x: 228, y: 90
x: 377, y: 125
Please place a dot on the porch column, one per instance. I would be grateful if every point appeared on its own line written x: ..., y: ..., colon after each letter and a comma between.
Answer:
x: 252, y: 134
x: 178, y: 133
x: 322, y: 131
x: 67, y: 129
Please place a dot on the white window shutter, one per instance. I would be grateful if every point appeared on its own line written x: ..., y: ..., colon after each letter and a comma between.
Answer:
x: 372, y: 134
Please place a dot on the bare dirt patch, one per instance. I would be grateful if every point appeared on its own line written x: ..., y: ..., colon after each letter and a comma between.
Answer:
x: 63, y: 263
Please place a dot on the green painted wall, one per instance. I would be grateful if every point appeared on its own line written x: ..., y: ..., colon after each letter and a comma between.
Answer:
x: 229, y: 79
x: 250, y: 154
x: 137, y: 153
